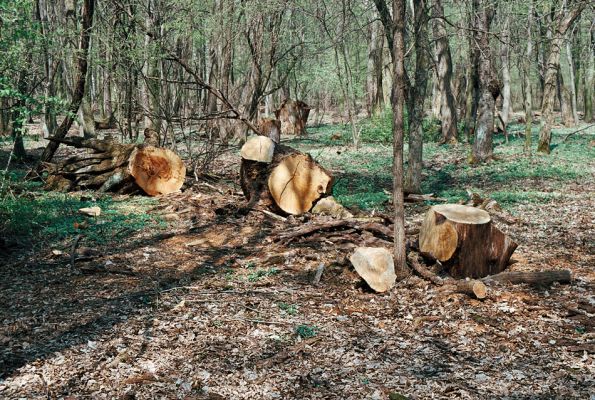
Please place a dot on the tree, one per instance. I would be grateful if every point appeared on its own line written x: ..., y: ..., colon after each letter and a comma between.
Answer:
x: 562, y: 21
x: 448, y: 112
x: 526, y: 66
x: 489, y: 87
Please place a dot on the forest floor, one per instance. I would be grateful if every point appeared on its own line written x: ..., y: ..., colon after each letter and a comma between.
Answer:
x: 180, y: 297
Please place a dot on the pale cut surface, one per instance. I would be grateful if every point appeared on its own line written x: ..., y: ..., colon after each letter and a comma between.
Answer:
x: 297, y: 182
x: 258, y: 148
x: 376, y: 266
x: 439, y: 239
x: 463, y: 214
x: 157, y: 170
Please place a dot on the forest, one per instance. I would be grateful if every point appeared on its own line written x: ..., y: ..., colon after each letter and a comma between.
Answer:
x: 276, y: 199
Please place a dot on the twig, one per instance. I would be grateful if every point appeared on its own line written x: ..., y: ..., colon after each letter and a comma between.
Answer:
x: 318, y: 275
x: 272, y: 215
x: 577, y: 131
x: 73, y: 250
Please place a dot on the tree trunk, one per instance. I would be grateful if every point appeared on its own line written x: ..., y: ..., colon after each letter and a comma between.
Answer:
x: 484, y: 125
x: 293, y: 115
x: 506, y: 99
x: 375, y: 97
x: 448, y: 111
x: 572, y: 83
x: 416, y: 98
x: 526, y: 64
x: 398, y: 104
x: 465, y: 241
x: 291, y: 183
x: 589, y: 80
x: 118, y: 167
x: 565, y: 102
x: 79, y: 92
x: 565, y: 18
x: 472, y: 90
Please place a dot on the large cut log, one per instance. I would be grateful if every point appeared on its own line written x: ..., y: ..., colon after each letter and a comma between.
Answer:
x: 376, y: 266
x: 293, y: 115
x: 465, y: 241
x: 111, y: 166
x: 292, y: 182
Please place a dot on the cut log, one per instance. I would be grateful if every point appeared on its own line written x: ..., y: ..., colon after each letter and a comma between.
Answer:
x: 293, y: 115
x: 465, y: 241
x: 270, y: 128
x: 118, y: 167
x: 291, y: 183
x: 538, y: 278
x: 376, y: 266
x: 258, y: 148
x: 472, y: 288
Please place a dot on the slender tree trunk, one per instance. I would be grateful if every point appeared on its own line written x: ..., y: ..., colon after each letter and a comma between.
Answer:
x: 505, y: 55
x: 472, y: 90
x: 526, y: 63
x: 572, y: 82
x: 49, y: 123
x: 565, y: 102
x: 375, y: 97
x: 416, y: 98
x: 484, y: 125
x: 448, y: 111
x: 589, y: 79
x: 398, y: 105
x: 79, y: 92
x: 564, y: 19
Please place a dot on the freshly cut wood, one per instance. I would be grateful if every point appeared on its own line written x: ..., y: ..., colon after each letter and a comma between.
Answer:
x: 270, y: 128
x: 291, y: 183
x: 473, y: 288
x: 464, y: 239
x: 330, y: 206
x: 258, y: 148
x: 123, y: 168
x: 376, y: 266
x: 537, y: 278
x: 156, y: 170
x: 293, y: 115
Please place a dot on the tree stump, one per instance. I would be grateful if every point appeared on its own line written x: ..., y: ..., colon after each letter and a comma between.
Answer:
x: 270, y: 128
x: 292, y: 182
x: 465, y: 241
x: 293, y: 115
x: 111, y: 166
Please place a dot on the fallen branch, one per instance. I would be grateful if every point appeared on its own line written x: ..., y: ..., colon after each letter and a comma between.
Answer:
x: 73, y: 250
x: 318, y: 275
x: 538, y: 278
x: 412, y: 257
x: 577, y: 131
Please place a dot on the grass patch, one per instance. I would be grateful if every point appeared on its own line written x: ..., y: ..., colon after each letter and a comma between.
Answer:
x: 262, y: 273
x: 31, y: 216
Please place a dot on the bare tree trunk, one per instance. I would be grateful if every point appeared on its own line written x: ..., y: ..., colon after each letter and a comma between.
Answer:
x: 505, y: 54
x: 79, y: 92
x: 565, y: 102
x: 484, y: 125
x: 375, y: 97
x: 526, y: 63
x: 398, y: 103
x: 49, y: 123
x: 565, y: 18
x: 448, y: 111
x: 589, y: 79
x: 472, y: 90
x: 416, y: 98
x: 572, y: 83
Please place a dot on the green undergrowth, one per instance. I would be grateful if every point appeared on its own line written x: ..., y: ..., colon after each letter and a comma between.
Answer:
x: 363, y: 177
x: 30, y: 216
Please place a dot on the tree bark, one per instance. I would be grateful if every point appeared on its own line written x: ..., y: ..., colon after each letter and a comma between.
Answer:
x: 398, y: 103
x: 572, y: 82
x: 564, y: 19
x: 416, y: 98
x: 589, y: 80
x: 484, y: 125
x: 526, y: 64
x: 79, y: 92
x: 375, y: 97
x: 505, y: 55
x: 472, y: 90
x: 448, y: 111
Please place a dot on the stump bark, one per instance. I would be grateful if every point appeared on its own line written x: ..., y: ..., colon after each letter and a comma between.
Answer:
x: 111, y: 166
x: 465, y: 241
x: 293, y: 115
x: 270, y: 128
x: 292, y: 182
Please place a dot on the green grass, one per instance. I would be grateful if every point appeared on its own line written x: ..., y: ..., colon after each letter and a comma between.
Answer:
x: 363, y: 176
x: 48, y: 218
x: 262, y: 273
x: 306, y: 331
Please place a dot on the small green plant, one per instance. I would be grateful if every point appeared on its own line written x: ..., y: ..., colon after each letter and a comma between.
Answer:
x: 290, y: 309
x: 306, y: 331
x: 262, y: 273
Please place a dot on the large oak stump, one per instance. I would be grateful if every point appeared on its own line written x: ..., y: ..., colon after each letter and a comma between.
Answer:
x: 465, y: 241
x: 111, y: 166
x: 292, y: 182
x: 293, y: 115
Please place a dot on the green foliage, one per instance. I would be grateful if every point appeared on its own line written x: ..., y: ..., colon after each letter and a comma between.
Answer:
x: 262, y: 273
x: 378, y: 129
x: 36, y: 217
x: 306, y: 331
x: 290, y: 309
